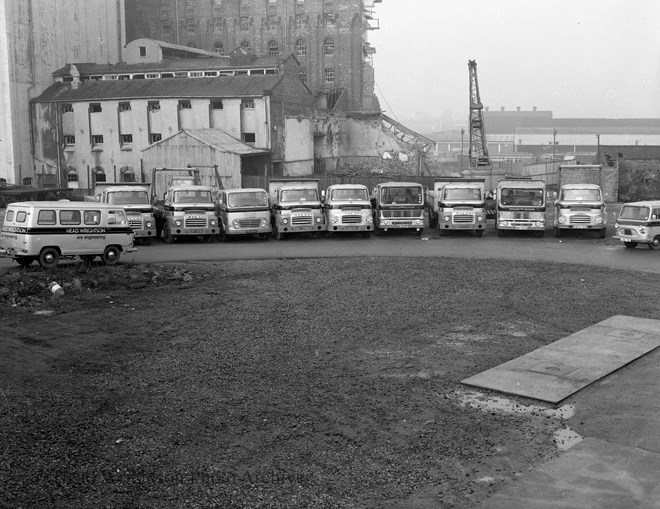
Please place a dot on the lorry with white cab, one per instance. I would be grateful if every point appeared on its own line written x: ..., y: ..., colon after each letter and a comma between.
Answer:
x: 135, y: 198
x: 457, y: 203
x: 398, y: 206
x: 580, y: 204
x: 348, y: 209
x: 295, y: 206
x: 521, y: 205
x: 243, y: 212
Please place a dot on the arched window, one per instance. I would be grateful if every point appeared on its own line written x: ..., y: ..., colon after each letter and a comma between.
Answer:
x: 245, y: 45
x: 71, y: 177
x: 273, y: 48
x: 127, y: 174
x: 329, y: 46
x: 98, y: 175
x: 218, y: 47
x: 301, y: 48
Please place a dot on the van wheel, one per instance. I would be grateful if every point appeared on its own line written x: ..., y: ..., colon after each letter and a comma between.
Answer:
x: 49, y: 257
x: 111, y: 255
x: 25, y: 261
x: 655, y: 243
x: 630, y: 245
x: 167, y: 236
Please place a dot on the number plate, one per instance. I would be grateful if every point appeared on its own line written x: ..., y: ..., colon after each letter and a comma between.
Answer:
x: 350, y: 227
x: 196, y: 231
x: 250, y: 231
x: 580, y: 227
x: 301, y: 228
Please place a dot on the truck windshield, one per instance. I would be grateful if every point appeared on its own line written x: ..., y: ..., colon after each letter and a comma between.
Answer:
x: 463, y: 194
x: 402, y: 195
x: 521, y: 197
x: 580, y: 195
x: 128, y: 197
x: 295, y: 195
x: 190, y: 196
x: 349, y: 194
x: 247, y: 199
x: 635, y: 213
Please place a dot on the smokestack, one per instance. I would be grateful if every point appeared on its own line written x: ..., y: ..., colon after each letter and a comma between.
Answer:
x: 75, y: 74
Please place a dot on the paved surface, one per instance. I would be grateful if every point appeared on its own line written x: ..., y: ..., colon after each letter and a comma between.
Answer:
x: 554, y: 372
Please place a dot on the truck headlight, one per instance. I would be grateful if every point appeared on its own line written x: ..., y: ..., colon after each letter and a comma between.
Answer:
x: 480, y: 218
x: 599, y: 220
x: 319, y: 220
x: 149, y: 224
x: 561, y: 219
x: 369, y: 220
x: 214, y: 222
x: 446, y: 218
x: 284, y: 220
x: 178, y: 222
x: 264, y: 223
x: 334, y: 220
x: 419, y: 222
x: 235, y: 224
x: 616, y: 225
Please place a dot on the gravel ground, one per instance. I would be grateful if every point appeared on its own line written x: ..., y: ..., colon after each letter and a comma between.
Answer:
x: 281, y: 384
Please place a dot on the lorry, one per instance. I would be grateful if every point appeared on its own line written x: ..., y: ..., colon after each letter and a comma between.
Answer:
x: 398, y: 206
x: 243, y: 212
x: 348, y: 209
x: 457, y: 203
x: 521, y: 205
x: 580, y: 204
x: 187, y: 209
x: 134, y: 197
x: 295, y: 206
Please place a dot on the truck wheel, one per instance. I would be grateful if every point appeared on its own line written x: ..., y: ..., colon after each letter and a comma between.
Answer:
x: 558, y: 232
x: 655, y: 243
x: 167, y: 236
x: 479, y: 233
x: 630, y: 245
x: 49, y: 257
x: 111, y: 255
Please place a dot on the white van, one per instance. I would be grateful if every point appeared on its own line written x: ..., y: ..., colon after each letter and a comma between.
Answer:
x: 49, y: 230
x: 639, y: 223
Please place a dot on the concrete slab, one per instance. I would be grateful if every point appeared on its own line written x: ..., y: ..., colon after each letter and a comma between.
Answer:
x: 556, y: 371
x: 593, y: 474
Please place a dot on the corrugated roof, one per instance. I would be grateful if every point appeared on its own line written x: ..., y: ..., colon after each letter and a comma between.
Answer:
x: 219, y: 139
x: 182, y: 88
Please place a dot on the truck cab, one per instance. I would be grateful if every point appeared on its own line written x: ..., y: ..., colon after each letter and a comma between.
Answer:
x: 348, y: 209
x: 186, y: 210
x: 398, y: 206
x: 243, y: 212
x: 458, y: 204
x: 521, y: 205
x: 580, y: 207
x: 295, y: 207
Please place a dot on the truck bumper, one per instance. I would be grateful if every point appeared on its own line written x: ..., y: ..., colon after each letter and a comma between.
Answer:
x: 305, y: 228
x: 351, y: 228
x: 144, y: 234
x: 195, y: 231
x: 249, y: 231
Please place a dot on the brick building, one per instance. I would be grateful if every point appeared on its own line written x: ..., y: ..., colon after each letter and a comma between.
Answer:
x: 328, y: 37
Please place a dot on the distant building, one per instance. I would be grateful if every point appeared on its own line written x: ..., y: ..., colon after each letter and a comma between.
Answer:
x: 328, y: 37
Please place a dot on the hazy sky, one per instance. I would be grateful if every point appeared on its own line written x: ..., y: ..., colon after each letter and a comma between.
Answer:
x: 578, y: 58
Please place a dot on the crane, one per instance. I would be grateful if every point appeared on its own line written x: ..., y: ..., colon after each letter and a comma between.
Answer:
x: 478, y: 147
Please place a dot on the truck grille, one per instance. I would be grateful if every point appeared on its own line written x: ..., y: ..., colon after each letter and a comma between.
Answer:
x: 253, y: 222
x: 351, y: 219
x: 135, y: 222
x: 463, y: 218
x: 195, y: 222
x: 580, y: 219
x: 301, y: 220
x: 403, y: 213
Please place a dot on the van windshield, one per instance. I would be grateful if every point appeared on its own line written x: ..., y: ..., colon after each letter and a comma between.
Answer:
x: 190, y: 196
x: 292, y: 195
x: 580, y: 195
x: 349, y: 194
x: 128, y: 198
x: 519, y: 197
x: 247, y: 199
x: 634, y: 212
x: 402, y: 195
x: 463, y: 194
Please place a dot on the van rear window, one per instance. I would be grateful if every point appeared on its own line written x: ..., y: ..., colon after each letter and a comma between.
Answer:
x: 21, y: 216
x: 9, y: 216
x: 69, y: 217
x: 46, y: 217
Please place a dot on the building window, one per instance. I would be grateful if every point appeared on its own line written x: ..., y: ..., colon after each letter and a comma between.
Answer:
x: 99, y: 174
x: 27, y: 181
x: 329, y: 46
x: 69, y: 139
x: 273, y: 22
x: 273, y: 49
x: 97, y: 139
x: 95, y: 108
x: 329, y: 75
x: 303, y: 76
x: 301, y: 21
x: 67, y: 108
x: 245, y: 23
x: 245, y: 45
x: 249, y: 137
x: 153, y: 106
x: 216, y: 105
x: 301, y: 48
x: 72, y: 176
x: 218, y: 47
x: 154, y: 137
x: 126, y: 139
x: 143, y: 51
x: 247, y: 104
x: 191, y: 25
x: 185, y: 105
x: 217, y: 25
x: 124, y: 106
x: 329, y: 19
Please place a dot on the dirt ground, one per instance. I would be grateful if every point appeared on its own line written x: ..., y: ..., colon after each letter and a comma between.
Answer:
x: 281, y: 384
